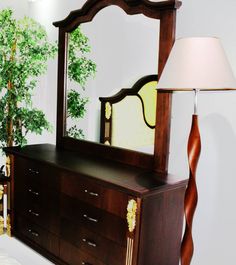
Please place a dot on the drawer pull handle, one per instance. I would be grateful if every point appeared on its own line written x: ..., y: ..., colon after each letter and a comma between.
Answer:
x: 90, y: 218
x: 85, y: 263
x: 33, y: 233
x: 33, y: 171
x: 33, y: 192
x: 89, y: 243
x: 94, y: 194
x: 33, y: 213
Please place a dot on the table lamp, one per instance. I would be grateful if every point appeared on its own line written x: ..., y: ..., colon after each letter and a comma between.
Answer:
x: 195, y: 64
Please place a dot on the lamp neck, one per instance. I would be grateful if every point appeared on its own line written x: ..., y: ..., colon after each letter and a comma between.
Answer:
x: 196, y: 91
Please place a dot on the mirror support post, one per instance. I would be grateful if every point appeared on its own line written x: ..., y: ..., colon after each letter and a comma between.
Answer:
x: 164, y: 100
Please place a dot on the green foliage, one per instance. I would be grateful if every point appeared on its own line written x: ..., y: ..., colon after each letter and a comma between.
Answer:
x: 76, y: 133
x: 80, y: 69
x: 76, y: 104
x: 24, y: 52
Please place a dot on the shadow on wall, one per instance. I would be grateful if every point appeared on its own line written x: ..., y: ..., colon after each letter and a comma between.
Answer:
x: 214, y: 226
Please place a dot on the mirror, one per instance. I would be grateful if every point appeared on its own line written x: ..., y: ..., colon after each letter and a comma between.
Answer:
x: 115, y: 50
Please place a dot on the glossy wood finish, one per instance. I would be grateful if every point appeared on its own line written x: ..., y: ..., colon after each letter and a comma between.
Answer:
x: 37, y: 234
x: 74, y: 256
x: 131, y: 7
x: 94, y: 219
x: 190, y: 203
x: 95, y: 245
x: 90, y: 229
x: 164, y: 100
x: 94, y: 194
x: 36, y: 193
x: 164, y: 11
x: 128, y: 179
x: 167, y: 208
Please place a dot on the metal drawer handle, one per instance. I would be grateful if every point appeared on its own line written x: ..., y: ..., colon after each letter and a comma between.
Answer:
x: 33, y: 233
x: 89, y: 243
x: 33, y: 213
x: 94, y: 194
x: 85, y: 263
x: 33, y: 192
x: 90, y: 218
x: 33, y: 171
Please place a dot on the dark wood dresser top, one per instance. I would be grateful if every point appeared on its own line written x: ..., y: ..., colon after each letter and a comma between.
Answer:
x: 136, y: 181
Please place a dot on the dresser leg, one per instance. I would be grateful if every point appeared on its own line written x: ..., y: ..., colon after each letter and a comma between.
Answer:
x: 9, y: 226
x: 1, y: 225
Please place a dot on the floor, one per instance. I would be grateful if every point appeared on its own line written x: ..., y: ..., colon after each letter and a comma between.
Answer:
x: 18, y: 254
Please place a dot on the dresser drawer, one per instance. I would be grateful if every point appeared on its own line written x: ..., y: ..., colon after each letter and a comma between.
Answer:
x: 94, y: 219
x: 93, y: 244
x: 89, y: 191
x: 35, y: 174
x: 74, y: 256
x: 32, y: 194
x: 37, y: 234
x: 44, y: 217
x: 42, y: 208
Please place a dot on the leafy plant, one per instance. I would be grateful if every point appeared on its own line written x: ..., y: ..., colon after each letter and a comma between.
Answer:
x: 80, y: 69
x: 24, y: 52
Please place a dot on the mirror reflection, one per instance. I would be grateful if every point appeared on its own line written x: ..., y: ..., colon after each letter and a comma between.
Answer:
x: 111, y: 52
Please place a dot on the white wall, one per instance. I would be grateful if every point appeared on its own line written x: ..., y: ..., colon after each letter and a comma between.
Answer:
x: 20, y: 7
x: 214, y: 230
x: 214, y: 226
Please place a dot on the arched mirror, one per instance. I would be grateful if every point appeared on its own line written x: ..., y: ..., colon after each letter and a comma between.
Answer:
x: 106, y: 58
x: 105, y: 47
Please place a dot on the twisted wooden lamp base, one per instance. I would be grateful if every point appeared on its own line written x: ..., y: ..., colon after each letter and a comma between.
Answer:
x: 190, y: 203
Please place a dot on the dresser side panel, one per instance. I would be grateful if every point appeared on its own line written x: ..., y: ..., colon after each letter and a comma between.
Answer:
x: 161, y: 228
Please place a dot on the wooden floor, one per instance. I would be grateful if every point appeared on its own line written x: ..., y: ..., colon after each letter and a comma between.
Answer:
x: 18, y: 253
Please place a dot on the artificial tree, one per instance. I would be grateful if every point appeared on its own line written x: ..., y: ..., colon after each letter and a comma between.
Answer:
x: 80, y: 69
x: 24, y: 52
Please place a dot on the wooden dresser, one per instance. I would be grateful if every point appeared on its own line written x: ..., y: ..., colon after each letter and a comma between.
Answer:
x: 89, y: 203
x: 73, y: 209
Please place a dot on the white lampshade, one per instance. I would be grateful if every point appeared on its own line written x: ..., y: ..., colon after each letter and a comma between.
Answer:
x: 197, y: 63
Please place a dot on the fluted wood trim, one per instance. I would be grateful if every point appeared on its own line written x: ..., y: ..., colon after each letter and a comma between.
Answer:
x: 191, y: 196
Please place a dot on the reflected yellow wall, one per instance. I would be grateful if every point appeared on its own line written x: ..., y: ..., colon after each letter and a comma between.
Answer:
x: 149, y: 95
x: 128, y: 127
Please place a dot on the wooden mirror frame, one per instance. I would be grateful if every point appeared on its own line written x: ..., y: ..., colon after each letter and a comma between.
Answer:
x: 165, y: 11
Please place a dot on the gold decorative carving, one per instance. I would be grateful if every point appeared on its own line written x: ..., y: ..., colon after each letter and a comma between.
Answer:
x: 1, y: 225
x: 129, y: 251
x: 1, y: 191
x: 108, y: 110
x: 8, y: 166
x: 131, y: 214
x: 107, y: 143
x: 8, y: 225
